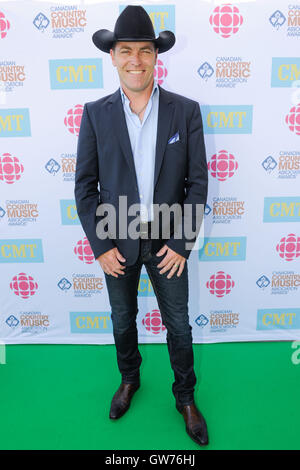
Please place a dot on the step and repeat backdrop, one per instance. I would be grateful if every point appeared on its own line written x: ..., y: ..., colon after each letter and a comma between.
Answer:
x: 239, y: 61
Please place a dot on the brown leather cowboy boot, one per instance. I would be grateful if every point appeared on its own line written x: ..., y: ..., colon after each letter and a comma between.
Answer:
x: 121, y: 400
x: 195, y: 423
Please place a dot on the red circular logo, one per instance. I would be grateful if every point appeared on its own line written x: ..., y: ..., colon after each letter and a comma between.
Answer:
x: 10, y: 168
x: 4, y: 25
x: 289, y: 247
x: 226, y: 20
x: 73, y: 119
x: 84, y: 252
x: 153, y: 323
x: 220, y: 284
x: 160, y: 72
x: 23, y: 285
x: 293, y: 119
x: 222, y: 165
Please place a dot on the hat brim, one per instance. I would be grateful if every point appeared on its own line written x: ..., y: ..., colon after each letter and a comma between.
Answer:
x: 104, y: 39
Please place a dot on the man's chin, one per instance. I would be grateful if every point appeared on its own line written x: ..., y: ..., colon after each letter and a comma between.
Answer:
x: 135, y: 88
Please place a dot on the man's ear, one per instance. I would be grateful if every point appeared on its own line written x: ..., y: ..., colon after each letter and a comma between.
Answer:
x: 112, y: 55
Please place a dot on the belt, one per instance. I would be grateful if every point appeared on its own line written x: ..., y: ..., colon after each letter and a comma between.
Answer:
x: 145, y: 230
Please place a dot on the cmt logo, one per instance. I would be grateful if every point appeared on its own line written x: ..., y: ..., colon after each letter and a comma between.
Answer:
x: 282, y: 209
x: 68, y: 212
x: 226, y: 20
x: 223, y: 249
x: 75, y: 74
x: 227, y: 119
x: 278, y: 318
x: 73, y: 119
x: 10, y: 168
x: 285, y: 71
x: 21, y: 251
x: 145, y: 288
x: 222, y: 165
x: 91, y: 322
x: 153, y: 323
x: 292, y: 119
x: 15, y: 122
x: 4, y: 25
x: 162, y: 16
x: 220, y: 284
x: 289, y: 247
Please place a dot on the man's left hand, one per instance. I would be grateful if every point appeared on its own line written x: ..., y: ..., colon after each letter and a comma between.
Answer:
x: 172, y: 261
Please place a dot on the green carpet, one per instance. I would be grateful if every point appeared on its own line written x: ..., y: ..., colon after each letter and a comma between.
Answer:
x: 58, y: 397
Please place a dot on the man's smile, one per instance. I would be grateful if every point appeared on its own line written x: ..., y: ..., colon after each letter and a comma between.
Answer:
x: 135, y: 71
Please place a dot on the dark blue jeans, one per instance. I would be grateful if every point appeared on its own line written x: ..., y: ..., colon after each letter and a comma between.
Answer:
x: 172, y: 298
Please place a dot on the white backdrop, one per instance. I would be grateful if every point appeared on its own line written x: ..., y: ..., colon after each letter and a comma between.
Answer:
x: 239, y: 61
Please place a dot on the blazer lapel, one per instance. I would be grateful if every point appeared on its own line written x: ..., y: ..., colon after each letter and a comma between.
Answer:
x: 165, y: 113
x: 120, y: 129
x: 118, y: 121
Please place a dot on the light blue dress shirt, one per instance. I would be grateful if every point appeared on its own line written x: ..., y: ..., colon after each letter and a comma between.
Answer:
x: 143, y: 144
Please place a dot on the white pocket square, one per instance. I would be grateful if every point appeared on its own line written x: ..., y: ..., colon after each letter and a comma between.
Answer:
x: 174, y: 138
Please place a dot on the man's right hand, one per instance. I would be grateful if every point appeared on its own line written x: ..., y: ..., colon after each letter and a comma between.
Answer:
x: 109, y: 262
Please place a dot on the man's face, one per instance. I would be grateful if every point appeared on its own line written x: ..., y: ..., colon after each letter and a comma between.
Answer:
x: 135, y: 63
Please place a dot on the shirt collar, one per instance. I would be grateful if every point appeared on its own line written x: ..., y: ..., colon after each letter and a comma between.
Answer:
x: 125, y: 99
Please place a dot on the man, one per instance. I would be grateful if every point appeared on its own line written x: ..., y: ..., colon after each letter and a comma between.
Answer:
x: 147, y: 144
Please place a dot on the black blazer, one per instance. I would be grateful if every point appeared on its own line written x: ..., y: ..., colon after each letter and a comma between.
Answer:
x: 104, y: 155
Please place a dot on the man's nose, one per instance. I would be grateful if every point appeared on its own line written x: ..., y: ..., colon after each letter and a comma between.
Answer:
x: 135, y: 59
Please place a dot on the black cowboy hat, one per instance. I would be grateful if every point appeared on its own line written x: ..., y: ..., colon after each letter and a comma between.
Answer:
x: 133, y: 24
